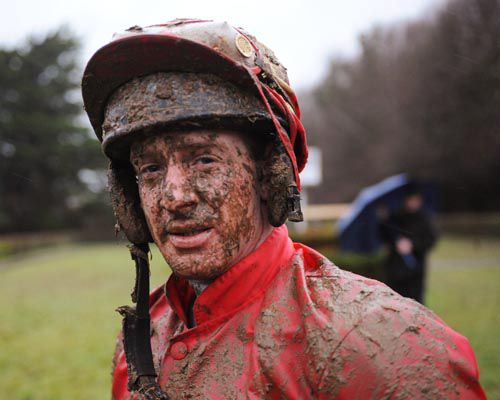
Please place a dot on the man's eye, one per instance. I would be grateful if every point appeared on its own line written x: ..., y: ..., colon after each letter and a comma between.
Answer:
x: 148, y: 169
x: 205, y: 160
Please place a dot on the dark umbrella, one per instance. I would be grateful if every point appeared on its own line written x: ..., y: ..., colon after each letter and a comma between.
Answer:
x: 360, y: 228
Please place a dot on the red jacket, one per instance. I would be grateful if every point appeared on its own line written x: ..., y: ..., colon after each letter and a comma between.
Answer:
x: 285, y: 323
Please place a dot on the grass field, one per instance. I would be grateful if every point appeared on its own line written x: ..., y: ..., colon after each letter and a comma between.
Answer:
x: 58, y: 327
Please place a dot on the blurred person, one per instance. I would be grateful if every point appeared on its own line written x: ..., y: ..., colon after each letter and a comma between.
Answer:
x: 410, y: 236
x: 205, y: 141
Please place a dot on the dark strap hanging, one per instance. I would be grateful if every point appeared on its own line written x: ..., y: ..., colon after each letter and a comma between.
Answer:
x: 136, y: 332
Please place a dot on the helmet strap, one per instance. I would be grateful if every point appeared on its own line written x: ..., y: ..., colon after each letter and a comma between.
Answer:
x: 136, y: 332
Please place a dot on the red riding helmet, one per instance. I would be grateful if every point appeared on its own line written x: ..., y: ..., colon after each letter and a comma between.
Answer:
x: 199, y: 46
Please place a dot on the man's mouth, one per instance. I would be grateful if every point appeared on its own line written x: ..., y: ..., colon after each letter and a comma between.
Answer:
x: 190, y: 233
x: 185, y: 237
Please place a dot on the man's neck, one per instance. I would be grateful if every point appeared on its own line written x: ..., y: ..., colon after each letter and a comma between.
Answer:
x: 198, y: 285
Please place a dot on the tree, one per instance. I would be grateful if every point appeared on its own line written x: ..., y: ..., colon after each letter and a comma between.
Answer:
x: 421, y: 98
x: 43, y: 143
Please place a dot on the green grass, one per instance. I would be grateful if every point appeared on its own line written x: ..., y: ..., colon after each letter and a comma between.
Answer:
x: 464, y: 289
x: 58, y: 324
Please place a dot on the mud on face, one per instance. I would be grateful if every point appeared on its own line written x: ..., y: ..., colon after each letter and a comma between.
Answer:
x: 201, y: 197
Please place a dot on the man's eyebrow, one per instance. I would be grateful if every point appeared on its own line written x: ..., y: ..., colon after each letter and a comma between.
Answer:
x: 137, y: 153
x: 184, y: 147
x: 199, y: 146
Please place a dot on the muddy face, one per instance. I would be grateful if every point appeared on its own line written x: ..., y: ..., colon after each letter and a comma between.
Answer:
x: 201, y: 198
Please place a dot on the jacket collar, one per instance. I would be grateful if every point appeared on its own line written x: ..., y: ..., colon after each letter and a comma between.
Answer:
x: 239, y: 285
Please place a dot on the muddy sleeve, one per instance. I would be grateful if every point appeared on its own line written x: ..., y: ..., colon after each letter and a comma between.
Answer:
x: 404, y: 351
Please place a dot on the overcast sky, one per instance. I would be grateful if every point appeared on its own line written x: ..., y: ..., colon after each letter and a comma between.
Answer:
x: 303, y: 34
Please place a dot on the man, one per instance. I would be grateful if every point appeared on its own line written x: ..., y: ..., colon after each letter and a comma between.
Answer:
x: 205, y: 142
x: 410, y: 235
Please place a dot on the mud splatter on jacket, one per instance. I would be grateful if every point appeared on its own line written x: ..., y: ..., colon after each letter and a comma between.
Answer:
x: 285, y: 323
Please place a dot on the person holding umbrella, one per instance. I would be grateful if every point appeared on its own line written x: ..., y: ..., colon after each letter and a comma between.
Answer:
x: 410, y: 235
x: 393, y: 212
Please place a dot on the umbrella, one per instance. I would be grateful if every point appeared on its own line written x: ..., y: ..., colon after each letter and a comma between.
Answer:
x: 360, y: 228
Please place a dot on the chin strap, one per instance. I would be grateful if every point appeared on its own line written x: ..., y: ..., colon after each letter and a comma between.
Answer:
x: 136, y: 332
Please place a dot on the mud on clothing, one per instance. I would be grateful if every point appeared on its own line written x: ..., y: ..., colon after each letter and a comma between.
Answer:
x: 285, y: 323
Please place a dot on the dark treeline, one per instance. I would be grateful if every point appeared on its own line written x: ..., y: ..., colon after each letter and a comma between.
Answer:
x: 423, y: 98
x: 49, y: 163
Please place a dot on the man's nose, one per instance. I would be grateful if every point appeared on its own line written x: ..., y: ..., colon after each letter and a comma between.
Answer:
x: 178, y: 195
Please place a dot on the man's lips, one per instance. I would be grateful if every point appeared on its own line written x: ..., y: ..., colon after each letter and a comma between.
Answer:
x: 189, y: 233
x: 188, y: 236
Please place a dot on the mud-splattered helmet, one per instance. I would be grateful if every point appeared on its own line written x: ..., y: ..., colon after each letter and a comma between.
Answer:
x: 191, y: 73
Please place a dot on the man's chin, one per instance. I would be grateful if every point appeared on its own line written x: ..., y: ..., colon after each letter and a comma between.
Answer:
x: 198, y: 274
x: 199, y: 266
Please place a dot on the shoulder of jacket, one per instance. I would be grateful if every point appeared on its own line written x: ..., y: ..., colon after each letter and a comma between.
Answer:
x: 353, y: 301
x: 363, y: 323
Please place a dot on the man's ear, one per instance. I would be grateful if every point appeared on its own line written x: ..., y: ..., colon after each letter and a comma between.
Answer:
x: 278, y: 186
x: 276, y: 169
x: 126, y: 204
x: 263, y: 180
